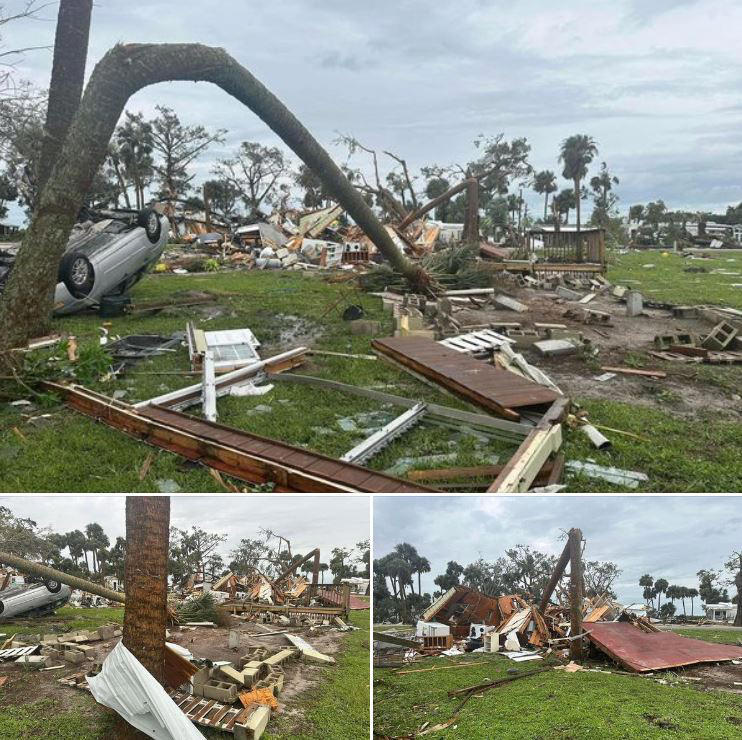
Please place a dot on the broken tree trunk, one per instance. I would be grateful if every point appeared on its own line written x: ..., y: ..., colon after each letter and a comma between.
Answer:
x: 575, y: 592
x: 555, y: 577
x: 145, y: 615
x: 68, y: 77
x: 52, y: 574
x: 471, y: 224
x: 26, y: 305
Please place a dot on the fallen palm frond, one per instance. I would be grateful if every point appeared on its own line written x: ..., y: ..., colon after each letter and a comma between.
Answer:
x: 198, y: 609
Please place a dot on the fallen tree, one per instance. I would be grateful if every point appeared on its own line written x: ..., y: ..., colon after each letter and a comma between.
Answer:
x: 27, y: 301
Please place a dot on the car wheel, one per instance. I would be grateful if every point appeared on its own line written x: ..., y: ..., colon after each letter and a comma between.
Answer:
x: 77, y: 273
x: 2, y: 607
x: 53, y: 587
x: 149, y: 220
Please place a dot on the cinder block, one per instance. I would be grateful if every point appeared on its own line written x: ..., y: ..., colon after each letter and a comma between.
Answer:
x: 220, y: 691
x: 74, y: 656
x: 254, y: 725
x: 567, y: 294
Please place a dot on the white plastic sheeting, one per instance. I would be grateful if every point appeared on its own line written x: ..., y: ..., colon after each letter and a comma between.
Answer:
x: 128, y: 688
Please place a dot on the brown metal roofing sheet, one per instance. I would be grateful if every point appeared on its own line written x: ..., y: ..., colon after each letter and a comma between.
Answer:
x: 354, y: 476
x: 653, y: 651
x: 487, y: 385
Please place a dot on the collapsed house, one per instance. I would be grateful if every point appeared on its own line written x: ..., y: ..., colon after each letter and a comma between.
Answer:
x: 572, y: 627
x: 263, y: 621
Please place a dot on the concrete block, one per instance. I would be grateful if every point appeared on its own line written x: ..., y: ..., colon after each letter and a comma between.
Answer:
x: 567, y: 294
x: 201, y: 676
x: 364, y: 326
x: 50, y: 639
x: 33, y: 661
x: 282, y: 253
x: 555, y: 347
x: 634, y: 303
x: 229, y: 671
x: 289, y: 260
x: 720, y: 336
x: 280, y: 657
x: 220, y: 691
x: 106, y: 633
x: 503, y: 301
x: 254, y: 725
x: 74, y: 656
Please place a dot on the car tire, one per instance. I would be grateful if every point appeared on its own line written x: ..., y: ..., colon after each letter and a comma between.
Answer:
x: 53, y: 587
x: 2, y: 607
x: 76, y: 272
x: 149, y: 220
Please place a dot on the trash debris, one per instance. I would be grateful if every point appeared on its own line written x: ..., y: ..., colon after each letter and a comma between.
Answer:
x: 125, y: 686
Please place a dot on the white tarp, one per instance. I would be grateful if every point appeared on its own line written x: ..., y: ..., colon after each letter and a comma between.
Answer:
x: 128, y: 688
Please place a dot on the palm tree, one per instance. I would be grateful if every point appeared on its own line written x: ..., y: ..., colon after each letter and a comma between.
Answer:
x: 576, y: 154
x: 692, y: 594
x: 564, y: 202
x: 323, y: 568
x: 145, y: 616
x: 660, y: 587
x: 544, y: 182
x: 122, y: 72
x: 647, y: 581
x: 423, y: 566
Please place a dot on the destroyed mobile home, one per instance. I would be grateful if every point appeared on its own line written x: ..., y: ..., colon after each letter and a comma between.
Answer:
x: 567, y: 630
x: 508, y: 350
x: 226, y: 675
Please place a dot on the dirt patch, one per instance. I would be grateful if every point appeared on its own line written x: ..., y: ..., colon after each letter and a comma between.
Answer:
x: 681, y: 392
x: 213, y: 643
x: 663, y: 724
x: 718, y: 677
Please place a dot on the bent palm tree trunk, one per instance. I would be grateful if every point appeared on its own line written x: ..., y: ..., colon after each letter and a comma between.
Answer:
x: 26, y: 304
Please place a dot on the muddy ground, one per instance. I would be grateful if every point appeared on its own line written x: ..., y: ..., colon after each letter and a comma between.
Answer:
x: 26, y: 685
x: 687, y: 394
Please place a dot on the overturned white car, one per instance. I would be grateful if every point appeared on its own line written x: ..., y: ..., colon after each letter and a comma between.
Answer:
x: 106, y: 255
x: 33, y: 599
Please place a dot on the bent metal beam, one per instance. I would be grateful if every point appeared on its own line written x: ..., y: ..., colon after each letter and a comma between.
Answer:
x: 248, y: 457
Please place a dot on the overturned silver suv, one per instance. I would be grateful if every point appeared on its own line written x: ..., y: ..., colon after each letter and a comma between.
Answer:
x: 33, y: 599
x: 107, y: 253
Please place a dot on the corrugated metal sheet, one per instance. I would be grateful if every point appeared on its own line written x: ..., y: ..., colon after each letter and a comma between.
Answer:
x: 653, y: 651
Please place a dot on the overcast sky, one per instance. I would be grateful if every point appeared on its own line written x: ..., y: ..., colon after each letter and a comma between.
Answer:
x: 657, y: 83
x: 669, y: 537
x: 308, y: 522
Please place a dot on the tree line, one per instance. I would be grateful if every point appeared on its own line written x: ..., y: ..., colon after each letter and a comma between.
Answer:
x: 153, y: 159
x: 712, y: 589
x: 521, y: 570
x: 90, y: 553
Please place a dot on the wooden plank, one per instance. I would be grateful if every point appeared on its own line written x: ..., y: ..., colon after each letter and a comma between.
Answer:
x: 246, y: 456
x: 489, y: 386
x: 634, y: 371
x: 528, y: 460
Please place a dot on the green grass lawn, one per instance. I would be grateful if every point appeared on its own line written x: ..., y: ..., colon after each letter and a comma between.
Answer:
x: 66, y: 619
x: 337, y: 708
x: 80, y: 455
x: 699, y: 455
x: 76, y: 717
x: 726, y: 635
x: 69, y: 452
x: 554, y: 705
x: 668, y: 282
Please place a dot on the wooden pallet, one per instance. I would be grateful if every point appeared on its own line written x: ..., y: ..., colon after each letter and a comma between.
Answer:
x: 208, y: 712
x: 18, y: 652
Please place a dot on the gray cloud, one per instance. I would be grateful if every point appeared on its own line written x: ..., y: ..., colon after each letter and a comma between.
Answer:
x: 317, y: 521
x: 652, y: 82
x: 672, y: 537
